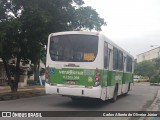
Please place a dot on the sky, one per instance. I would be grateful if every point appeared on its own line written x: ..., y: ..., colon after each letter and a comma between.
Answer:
x: 134, y: 25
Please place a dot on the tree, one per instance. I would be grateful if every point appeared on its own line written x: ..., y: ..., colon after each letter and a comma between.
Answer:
x: 9, y: 48
x: 27, y: 23
x: 156, y: 76
x: 150, y: 69
x: 157, y: 64
x: 145, y: 68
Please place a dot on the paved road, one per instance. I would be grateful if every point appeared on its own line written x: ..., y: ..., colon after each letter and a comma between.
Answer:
x: 139, y: 98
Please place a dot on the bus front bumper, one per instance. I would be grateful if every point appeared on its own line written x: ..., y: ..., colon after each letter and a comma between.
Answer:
x: 94, y: 92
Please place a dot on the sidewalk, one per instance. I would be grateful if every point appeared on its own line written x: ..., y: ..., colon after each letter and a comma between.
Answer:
x: 155, y: 106
x: 29, y: 91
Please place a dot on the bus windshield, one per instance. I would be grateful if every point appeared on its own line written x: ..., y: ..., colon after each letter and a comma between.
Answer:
x: 73, y: 48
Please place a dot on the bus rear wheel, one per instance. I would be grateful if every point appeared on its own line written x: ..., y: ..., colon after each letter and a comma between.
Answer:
x: 115, y: 94
x: 127, y: 89
x: 76, y: 98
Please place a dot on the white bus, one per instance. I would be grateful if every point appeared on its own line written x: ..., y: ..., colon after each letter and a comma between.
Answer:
x: 87, y: 64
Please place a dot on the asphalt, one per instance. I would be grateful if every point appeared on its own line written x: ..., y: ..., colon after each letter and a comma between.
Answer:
x: 31, y: 91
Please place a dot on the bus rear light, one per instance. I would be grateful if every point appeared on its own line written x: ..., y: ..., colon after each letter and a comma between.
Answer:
x: 46, y: 74
x: 97, y: 78
x: 97, y: 75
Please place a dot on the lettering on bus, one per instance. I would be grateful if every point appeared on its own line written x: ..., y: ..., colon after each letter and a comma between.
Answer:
x: 71, y: 72
x: 71, y: 77
x: 76, y: 72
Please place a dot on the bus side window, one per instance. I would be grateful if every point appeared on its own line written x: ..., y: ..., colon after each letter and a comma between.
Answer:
x: 105, y: 55
x: 115, y: 58
x: 129, y: 64
x: 109, y: 59
x: 124, y: 63
x: 120, y: 60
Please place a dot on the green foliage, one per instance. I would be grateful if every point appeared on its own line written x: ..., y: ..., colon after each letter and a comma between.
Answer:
x: 87, y: 18
x: 157, y: 64
x: 26, y: 24
x: 150, y: 69
x: 145, y: 68
x: 155, y: 78
x: 25, y: 31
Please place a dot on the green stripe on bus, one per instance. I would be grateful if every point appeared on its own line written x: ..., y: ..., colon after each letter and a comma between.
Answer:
x: 86, y: 77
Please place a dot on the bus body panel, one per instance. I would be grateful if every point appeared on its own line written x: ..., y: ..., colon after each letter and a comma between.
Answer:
x: 94, y: 92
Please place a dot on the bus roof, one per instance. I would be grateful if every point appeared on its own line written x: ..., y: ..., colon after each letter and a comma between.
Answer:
x: 75, y: 32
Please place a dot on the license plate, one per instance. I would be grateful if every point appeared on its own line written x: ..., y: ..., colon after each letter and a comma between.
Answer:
x: 71, y: 82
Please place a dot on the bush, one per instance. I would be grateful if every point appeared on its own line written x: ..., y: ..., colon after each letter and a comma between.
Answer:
x: 155, y: 78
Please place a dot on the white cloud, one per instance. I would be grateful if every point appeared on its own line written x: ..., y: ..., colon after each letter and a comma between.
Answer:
x: 132, y: 24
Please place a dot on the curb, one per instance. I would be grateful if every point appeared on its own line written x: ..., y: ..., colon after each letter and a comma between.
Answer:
x: 155, y: 106
x: 23, y: 93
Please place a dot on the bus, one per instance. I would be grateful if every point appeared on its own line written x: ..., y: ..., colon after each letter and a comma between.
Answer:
x: 87, y: 64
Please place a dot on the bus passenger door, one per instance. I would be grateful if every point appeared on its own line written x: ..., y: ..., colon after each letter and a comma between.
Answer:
x: 124, y: 88
x: 109, y: 69
x: 110, y: 61
x: 105, y: 72
x: 109, y: 73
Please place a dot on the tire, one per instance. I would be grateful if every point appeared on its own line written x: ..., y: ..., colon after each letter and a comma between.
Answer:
x: 115, y: 95
x: 125, y: 94
x: 76, y: 98
x: 127, y: 90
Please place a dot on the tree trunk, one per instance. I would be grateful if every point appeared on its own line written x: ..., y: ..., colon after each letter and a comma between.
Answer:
x: 17, y: 73
x: 10, y: 81
x: 36, y: 72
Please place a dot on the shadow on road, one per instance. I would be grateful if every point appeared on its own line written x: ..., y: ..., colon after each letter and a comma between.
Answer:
x: 87, y: 103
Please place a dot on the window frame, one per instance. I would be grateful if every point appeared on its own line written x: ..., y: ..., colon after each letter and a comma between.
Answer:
x: 105, y: 64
